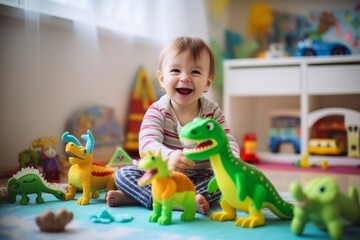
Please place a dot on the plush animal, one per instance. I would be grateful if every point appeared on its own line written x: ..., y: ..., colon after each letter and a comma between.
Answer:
x: 30, y: 181
x: 85, y: 174
x: 243, y: 186
x: 169, y: 189
x: 322, y: 203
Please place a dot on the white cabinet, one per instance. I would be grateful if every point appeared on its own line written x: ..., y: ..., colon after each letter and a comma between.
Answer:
x: 253, y: 88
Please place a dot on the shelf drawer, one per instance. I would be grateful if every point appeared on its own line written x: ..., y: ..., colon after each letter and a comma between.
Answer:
x: 260, y: 81
x: 333, y: 79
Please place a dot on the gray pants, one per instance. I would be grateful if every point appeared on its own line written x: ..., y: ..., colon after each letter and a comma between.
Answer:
x: 126, y: 180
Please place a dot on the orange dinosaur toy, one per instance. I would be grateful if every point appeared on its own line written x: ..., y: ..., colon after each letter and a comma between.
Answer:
x: 169, y: 189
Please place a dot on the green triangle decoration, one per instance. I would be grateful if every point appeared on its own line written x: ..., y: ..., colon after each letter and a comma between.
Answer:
x: 120, y: 158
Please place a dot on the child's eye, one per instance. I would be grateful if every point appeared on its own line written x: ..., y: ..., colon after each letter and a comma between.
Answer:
x: 196, y: 72
x: 175, y: 70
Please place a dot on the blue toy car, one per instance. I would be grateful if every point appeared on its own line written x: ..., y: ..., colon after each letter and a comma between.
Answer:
x: 310, y: 47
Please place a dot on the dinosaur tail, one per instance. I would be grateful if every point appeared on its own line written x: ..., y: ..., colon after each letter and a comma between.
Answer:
x: 282, y: 209
x: 58, y: 194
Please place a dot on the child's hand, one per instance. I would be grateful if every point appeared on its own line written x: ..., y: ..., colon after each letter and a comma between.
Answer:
x: 179, y: 162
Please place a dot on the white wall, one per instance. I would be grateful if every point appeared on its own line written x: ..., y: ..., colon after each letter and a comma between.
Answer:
x: 49, y: 71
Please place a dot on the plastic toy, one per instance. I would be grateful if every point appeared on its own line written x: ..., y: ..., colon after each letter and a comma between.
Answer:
x: 106, y: 217
x: 322, y: 203
x: 310, y: 47
x: 243, y: 186
x: 248, y: 149
x: 142, y: 96
x: 85, y: 174
x: 169, y: 189
x: 353, y: 140
x: 50, y: 221
x: 304, y: 162
x: 325, y: 146
x: 30, y: 181
x: 345, y: 122
x: 285, y: 128
x: 49, y: 157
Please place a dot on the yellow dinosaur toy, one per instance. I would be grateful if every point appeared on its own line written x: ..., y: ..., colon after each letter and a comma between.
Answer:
x: 84, y: 173
x: 169, y: 189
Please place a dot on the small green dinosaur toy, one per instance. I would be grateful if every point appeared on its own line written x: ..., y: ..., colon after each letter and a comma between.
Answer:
x: 169, y: 189
x: 242, y: 185
x: 30, y: 181
x: 322, y: 203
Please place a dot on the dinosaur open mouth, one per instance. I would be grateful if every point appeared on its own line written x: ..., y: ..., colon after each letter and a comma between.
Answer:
x: 198, y: 146
x: 72, y: 155
x: 148, y: 175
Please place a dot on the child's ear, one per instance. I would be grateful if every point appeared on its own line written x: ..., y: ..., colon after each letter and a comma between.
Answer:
x: 209, y: 81
x: 160, y: 77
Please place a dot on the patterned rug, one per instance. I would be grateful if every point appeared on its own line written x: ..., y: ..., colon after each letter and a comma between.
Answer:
x: 18, y: 222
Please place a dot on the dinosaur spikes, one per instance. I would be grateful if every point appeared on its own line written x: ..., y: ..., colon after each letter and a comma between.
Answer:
x: 66, y: 137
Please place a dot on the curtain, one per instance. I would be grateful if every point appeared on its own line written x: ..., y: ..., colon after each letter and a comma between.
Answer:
x: 156, y: 20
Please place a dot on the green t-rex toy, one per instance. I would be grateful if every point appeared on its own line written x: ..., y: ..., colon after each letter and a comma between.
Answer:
x: 169, y: 189
x: 30, y: 181
x: 243, y: 186
x: 322, y: 203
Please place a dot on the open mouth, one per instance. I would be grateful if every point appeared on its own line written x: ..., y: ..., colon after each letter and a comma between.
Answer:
x: 184, y: 91
x: 72, y: 155
x: 148, y: 175
x: 198, y: 146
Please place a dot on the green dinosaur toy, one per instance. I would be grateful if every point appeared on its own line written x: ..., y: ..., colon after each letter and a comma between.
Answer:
x: 322, y: 203
x: 30, y: 181
x: 243, y: 186
x: 169, y: 189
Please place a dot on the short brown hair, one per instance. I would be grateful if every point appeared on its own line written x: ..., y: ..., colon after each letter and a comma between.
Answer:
x: 195, y: 45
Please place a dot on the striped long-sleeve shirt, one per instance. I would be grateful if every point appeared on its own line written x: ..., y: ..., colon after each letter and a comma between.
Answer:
x: 160, y: 128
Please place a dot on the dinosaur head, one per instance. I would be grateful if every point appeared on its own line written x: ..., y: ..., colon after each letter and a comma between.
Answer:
x: 322, y: 190
x: 77, y: 153
x: 154, y: 165
x: 202, y: 138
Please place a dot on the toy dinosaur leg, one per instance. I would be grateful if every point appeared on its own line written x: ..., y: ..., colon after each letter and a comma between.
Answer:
x: 156, y: 212
x: 94, y: 194
x: 335, y: 229
x: 110, y: 185
x: 85, y: 198
x: 165, y: 218
x: 254, y: 205
x: 24, y: 199
x: 299, y: 221
x: 189, y: 205
x: 71, y: 192
x: 228, y: 213
x: 255, y: 218
x: 39, y: 198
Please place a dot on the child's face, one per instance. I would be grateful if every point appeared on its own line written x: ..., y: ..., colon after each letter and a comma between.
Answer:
x: 183, y: 79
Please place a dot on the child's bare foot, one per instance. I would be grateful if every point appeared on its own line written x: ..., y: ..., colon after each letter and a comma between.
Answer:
x: 202, y: 206
x: 116, y: 198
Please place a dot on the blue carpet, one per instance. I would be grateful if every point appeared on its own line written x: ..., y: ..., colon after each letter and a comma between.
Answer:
x: 18, y: 222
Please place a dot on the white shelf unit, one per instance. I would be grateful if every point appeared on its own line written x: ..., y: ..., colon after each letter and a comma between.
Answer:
x: 255, y: 87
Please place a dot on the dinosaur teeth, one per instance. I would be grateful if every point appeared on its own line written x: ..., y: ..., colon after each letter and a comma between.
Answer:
x: 189, y: 144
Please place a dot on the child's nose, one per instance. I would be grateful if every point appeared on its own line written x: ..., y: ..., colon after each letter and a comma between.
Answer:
x: 184, y: 77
